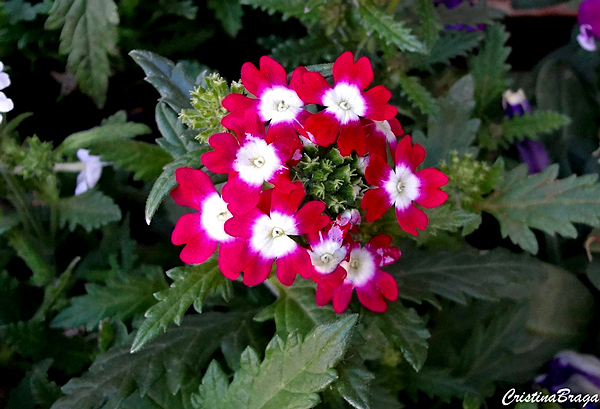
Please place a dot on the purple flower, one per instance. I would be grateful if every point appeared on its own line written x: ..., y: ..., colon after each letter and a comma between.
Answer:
x: 531, y: 152
x: 588, y: 18
x: 578, y: 372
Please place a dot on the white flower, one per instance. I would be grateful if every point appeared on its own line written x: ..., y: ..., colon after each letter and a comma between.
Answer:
x: 89, y: 176
x: 6, y: 104
x: 4, y: 78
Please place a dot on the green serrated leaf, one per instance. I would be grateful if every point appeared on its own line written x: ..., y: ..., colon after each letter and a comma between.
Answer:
x: 20, y: 10
x: 89, y: 210
x: 453, y: 130
x: 419, y: 95
x: 489, y: 68
x: 389, y: 30
x: 229, y: 13
x: 306, y: 11
x: 312, y: 49
x: 462, y: 274
x: 430, y: 25
x: 106, y: 133
x: 88, y: 36
x: 171, y: 80
x: 290, y: 376
x: 117, y: 299
x: 166, y: 181
x: 540, y: 201
x: 532, y: 125
x: 354, y: 382
x: 447, y: 218
x: 192, y: 286
x: 28, y: 251
x: 145, y: 160
x: 35, y: 389
x: 406, y: 330
x: 295, y: 309
x: 167, y: 364
x: 171, y: 128
x: 452, y: 44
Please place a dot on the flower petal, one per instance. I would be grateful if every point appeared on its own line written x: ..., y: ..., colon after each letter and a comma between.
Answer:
x: 233, y: 257
x: 406, y: 153
x: 352, y: 138
x: 240, y: 196
x: 296, y: 262
x: 411, y: 219
x: 221, y: 159
x: 194, y: 186
x: 371, y: 298
x: 375, y: 202
x: 341, y: 297
x: 198, y: 245
x: 429, y: 194
x: 323, y: 127
x: 257, y: 271
x: 309, y: 218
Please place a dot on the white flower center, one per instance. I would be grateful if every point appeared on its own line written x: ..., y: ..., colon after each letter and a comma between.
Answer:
x: 327, y: 255
x: 270, y: 235
x: 345, y: 101
x: 360, y: 268
x: 256, y: 161
x: 214, y: 216
x: 402, y: 187
x: 279, y: 104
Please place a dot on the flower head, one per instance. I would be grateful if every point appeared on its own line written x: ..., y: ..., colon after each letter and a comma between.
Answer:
x: 345, y: 103
x: 268, y: 230
x: 403, y: 186
x: 203, y: 230
x: 530, y: 151
x: 90, y: 175
x: 578, y: 372
x: 6, y: 104
x: 275, y: 102
x: 250, y: 160
x: 381, y: 134
x: 364, y: 275
x: 588, y: 18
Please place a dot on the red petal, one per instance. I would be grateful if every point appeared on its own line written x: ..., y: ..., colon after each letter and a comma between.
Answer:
x: 297, y: 262
x: 324, y: 128
x: 360, y: 74
x: 282, y: 182
x: 341, y: 297
x: 257, y: 271
x: 352, y: 137
x: 297, y: 77
x: 287, y: 203
x: 239, y: 196
x: 273, y: 71
x: 431, y: 179
x: 406, y: 153
x: 309, y: 218
x: 312, y: 88
x: 375, y: 202
x: 324, y: 294
x: 194, y: 186
x: 233, y: 257
x: 378, y: 171
x: 371, y: 298
x: 411, y: 219
x: 199, y: 246
x: 241, y: 225
x: 387, y: 286
x: 221, y: 159
x: 238, y: 104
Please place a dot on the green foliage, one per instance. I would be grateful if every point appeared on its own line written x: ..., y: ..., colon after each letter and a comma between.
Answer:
x: 33, y: 341
x: 532, y: 125
x: 419, y: 95
x: 489, y: 68
x: 453, y: 130
x: 354, y: 381
x: 290, y: 375
x: 192, y: 284
x: 430, y: 24
x: 229, y: 13
x: 88, y: 36
x: 461, y: 274
x: 9, y: 298
x: 450, y: 219
x: 35, y: 390
x: 406, y: 330
x: 29, y: 252
x: 121, y: 299
x: 166, y: 181
x: 308, y: 11
x: 312, y: 49
x: 295, y: 309
x: 145, y: 160
x: 166, y: 364
x: 540, y: 201
x: 451, y: 44
x: 90, y: 210
x: 21, y: 10
x: 114, y: 131
x: 389, y: 30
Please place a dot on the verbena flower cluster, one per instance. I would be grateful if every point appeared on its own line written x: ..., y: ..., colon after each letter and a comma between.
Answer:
x: 298, y: 180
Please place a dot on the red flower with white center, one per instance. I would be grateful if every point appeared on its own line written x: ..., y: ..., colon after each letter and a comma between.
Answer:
x: 364, y: 275
x: 250, y: 160
x: 202, y: 231
x: 345, y: 103
x: 327, y: 250
x: 381, y: 134
x: 268, y: 230
x: 403, y: 186
x: 275, y: 102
